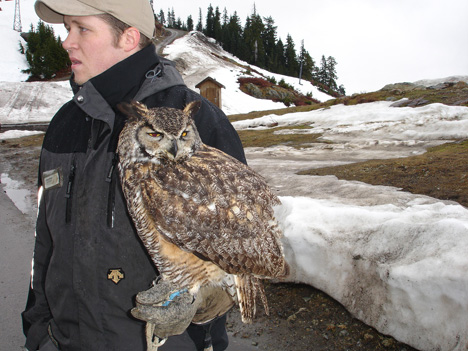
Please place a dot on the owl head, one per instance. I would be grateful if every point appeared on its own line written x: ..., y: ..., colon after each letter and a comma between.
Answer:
x: 158, y: 135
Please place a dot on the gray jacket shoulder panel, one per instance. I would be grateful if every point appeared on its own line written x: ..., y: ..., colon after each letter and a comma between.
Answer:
x: 162, y: 77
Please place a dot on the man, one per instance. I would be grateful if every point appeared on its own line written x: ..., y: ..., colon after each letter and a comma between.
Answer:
x: 88, y: 261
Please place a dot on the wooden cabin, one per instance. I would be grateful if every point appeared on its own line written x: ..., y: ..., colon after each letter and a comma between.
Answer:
x: 211, y: 90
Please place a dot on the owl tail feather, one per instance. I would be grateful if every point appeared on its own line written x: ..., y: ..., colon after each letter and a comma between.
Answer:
x: 247, y: 289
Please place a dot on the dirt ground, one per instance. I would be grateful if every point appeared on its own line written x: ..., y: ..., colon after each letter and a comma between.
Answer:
x: 304, y: 318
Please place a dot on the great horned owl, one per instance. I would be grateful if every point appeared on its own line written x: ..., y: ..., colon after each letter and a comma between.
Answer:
x: 202, y: 215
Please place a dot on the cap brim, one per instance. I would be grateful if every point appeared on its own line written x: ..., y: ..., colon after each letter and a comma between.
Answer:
x: 52, y: 11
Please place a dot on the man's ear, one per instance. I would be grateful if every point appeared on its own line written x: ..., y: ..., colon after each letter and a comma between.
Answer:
x: 130, y: 39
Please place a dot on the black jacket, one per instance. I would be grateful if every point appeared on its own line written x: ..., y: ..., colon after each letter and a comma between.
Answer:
x: 88, y: 261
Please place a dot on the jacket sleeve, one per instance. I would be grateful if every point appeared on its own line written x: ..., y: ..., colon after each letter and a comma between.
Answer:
x: 216, y: 131
x: 36, y: 315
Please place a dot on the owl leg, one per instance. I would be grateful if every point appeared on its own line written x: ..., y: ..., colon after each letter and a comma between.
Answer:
x: 153, y: 342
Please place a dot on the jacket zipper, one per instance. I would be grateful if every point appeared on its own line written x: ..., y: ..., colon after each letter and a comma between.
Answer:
x: 111, y: 179
x: 69, y: 192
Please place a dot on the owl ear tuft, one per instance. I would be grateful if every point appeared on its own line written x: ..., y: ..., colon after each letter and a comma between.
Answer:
x: 134, y: 109
x: 192, y: 108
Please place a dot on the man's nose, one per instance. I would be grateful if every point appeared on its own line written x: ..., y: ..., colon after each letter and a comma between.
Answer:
x: 68, y: 43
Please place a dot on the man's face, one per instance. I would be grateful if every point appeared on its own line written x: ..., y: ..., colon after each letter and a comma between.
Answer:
x: 91, y: 46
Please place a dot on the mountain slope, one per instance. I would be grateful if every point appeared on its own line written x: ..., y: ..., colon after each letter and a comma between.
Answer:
x: 198, y: 57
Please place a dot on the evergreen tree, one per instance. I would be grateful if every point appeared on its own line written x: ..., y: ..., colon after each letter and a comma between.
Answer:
x: 269, y: 43
x: 308, y: 63
x: 292, y: 65
x: 327, y: 76
x: 224, y: 28
x: 253, y: 30
x: 170, y: 22
x: 281, y: 58
x: 162, y: 18
x: 341, y: 90
x: 217, y: 29
x: 321, y: 76
x: 44, y: 52
x: 189, y: 23
x: 178, y: 23
x: 233, y: 42
x: 173, y: 19
x: 225, y: 18
x: 308, y: 66
x: 331, y: 76
x: 209, y: 27
x: 200, y: 21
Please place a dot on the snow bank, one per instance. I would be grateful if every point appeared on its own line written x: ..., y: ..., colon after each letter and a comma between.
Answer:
x: 13, y: 134
x: 376, y: 121
x: 401, y: 269
x: 32, y: 102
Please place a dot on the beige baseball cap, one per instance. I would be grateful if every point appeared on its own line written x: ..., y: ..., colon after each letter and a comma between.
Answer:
x: 135, y: 13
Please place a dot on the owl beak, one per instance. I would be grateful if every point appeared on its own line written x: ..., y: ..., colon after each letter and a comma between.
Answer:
x: 173, y: 149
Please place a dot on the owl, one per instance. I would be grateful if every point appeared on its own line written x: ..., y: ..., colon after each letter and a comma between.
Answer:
x: 204, y: 217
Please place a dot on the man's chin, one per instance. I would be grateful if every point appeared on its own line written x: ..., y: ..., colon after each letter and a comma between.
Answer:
x: 79, y: 79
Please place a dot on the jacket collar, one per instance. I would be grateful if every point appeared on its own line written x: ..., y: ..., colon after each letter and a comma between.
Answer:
x: 99, y: 96
x: 135, y: 78
x: 122, y: 79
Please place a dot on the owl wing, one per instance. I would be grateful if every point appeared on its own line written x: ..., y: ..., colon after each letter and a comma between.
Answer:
x: 219, y: 209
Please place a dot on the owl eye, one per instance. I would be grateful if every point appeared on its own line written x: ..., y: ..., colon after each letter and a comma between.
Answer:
x: 155, y: 135
x: 184, y: 134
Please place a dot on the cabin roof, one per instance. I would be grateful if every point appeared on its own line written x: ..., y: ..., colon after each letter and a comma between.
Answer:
x: 209, y: 79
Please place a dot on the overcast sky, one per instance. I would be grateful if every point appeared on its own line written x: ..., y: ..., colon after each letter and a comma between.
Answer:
x: 375, y: 42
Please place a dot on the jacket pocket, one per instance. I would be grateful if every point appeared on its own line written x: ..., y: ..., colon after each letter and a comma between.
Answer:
x: 112, y: 180
x: 69, y: 192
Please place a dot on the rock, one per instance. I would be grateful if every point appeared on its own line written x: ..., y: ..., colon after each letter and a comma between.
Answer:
x: 410, y: 103
x: 254, y: 91
x: 292, y: 318
x: 403, y: 87
x: 401, y: 103
x: 275, y: 93
x: 344, y: 333
x: 461, y: 102
x: 441, y: 86
x: 418, y: 102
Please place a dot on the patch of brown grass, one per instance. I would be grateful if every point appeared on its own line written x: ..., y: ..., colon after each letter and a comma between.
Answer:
x: 267, y: 138
x: 441, y: 173
x: 28, y: 141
